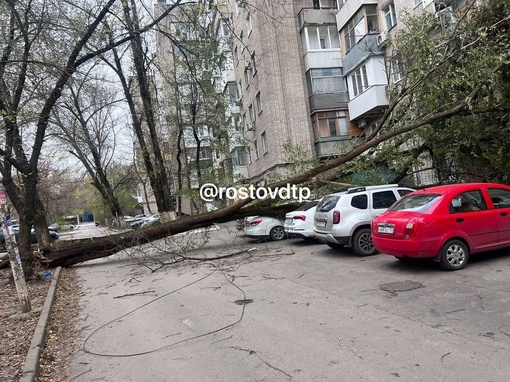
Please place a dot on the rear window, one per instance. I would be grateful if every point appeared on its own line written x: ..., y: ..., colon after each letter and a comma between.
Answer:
x: 383, y: 199
x: 308, y: 205
x: 328, y: 203
x: 417, y: 202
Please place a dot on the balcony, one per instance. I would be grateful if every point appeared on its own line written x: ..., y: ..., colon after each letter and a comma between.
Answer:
x: 317, y: 16
x: 323, y: 59
x: 329, y: 101
x: 326, y: 147
x: 365, y: 48
x: 369, y: 103
x: 349, y: 9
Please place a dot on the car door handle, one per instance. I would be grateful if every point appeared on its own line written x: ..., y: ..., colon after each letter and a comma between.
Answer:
x: 459, y: 220
x: 503, y: 213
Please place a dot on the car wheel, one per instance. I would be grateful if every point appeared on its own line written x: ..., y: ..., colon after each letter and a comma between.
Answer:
x: 362, y: 242
x: 335, y: 246
x: 277, y: 233
x: 454, y: 255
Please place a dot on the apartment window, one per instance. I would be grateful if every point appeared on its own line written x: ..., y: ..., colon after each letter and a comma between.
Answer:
x: 249, y: 26
x: 231, y: 91
x: 359, y: 80
x: 241, y: 38
x: 354, y: 30
x: 239, y: 157
x: 258, y: 103
x: 247, y: 77
x: 322, y: 37
x: 236, y: 56
x: 238, y: 124
x: 417, y: 2
x: 396, y: 73
x: 256, y: 149
x: 372, y: 18
x: 324, y: 4
x: 240, y: 89
x: 390, y: 16
x: 330, y: 124
x: 251, y: 113
x: 325, y: 80
x: 253, y: 63
x: 263, y: 142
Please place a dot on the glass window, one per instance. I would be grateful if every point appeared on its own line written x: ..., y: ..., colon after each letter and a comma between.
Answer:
x: 325, y: 81
x: 500, y: 197
x: 468, y: 202
x: 328, y: 203
x: 395, y: 71
x: 256, y: 149
x: 249, y: 26
x: 359, y: 80
x: 263, y: 141
x: 383, y: 199
x: 253, y: 63
x: 239, y: 157
x: 322, y: 37
x: 390, y: 16
x: 258, y: 103
x: 360, y: 202
x: 330, y: 124
x: 416, y: 202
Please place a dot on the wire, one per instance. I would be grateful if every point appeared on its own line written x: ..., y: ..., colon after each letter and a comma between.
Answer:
x: 174, y: 343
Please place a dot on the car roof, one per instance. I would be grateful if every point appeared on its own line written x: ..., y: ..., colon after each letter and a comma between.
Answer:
x: 458, y: 187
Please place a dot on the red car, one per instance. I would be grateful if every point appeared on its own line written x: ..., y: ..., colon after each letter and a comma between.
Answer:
x: 446, y: 223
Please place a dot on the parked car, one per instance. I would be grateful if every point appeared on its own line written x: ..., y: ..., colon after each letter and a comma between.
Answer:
x: 344, y: 218
x: 264, y: 227
x: 53, y: 234
x: 151, y: 220
x: 299, y: 223
x: 446, y: 223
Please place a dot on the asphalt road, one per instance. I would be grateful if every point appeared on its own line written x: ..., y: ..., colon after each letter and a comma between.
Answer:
x: 289, y: 311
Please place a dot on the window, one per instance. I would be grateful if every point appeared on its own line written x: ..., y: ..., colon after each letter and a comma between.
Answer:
x: 253, y: 63
x: 251, y: 113
x: 258, y: 103
x: 322, y: 37
x: 231, y: 92
x: 500, y: 197
x: 383, y: 199
x: 247, y: 77
x: 324, y: 4
x: 236, y: 56
x: 263, y: 141
x: 395, y: 71
x: 330, y: 124
x: 360, y: 202
x: 241, y: 38
x: 256, y: 149
x: 249, y: 25
x: 359, y: 80
x: 417, y: 2
x: 240, y: 89
x: 325, y: 81
x: 357, y: 27
x: 239, y: 157
x: 390, y: 16
x: 238, y: 123
x: 468, y: 202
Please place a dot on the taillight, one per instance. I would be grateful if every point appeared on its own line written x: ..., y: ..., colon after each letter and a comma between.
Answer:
x: 411, y: 227
x: 255, y: 222
x: 336, y: 217
x: 299, y: 217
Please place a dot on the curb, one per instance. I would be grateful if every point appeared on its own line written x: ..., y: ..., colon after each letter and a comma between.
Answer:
x: 31, y: 368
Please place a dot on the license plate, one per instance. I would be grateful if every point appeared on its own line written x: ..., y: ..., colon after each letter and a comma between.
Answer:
x: 321, y: 224
x: 387, y: 229
x: 289, y: 221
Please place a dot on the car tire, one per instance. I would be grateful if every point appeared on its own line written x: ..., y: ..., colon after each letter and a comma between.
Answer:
x: 362, y: 243
x: 335, y: 246
x: 277, y: 233
x: 454, y: 255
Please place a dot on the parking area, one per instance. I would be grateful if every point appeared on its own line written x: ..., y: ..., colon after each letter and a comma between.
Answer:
x: 293, y: 310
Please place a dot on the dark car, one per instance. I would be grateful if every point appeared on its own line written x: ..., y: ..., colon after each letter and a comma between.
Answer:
x: 53, y: 235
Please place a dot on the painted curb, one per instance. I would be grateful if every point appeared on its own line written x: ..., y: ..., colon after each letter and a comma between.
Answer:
x: 31, y: 368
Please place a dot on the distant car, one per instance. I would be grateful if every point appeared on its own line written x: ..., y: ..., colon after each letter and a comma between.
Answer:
x: 151, y: 220
x: 446, y: 223
x: 53, y: 234
x: 264, y: 227
x: 299, y: 223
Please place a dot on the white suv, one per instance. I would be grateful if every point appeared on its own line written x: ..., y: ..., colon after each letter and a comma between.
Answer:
x: 343, y: 218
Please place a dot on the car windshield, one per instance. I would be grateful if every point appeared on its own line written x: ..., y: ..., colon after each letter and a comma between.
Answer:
x: 415, y: 202
x: 328, y: 203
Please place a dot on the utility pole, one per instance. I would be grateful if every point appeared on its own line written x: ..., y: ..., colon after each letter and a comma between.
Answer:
x: 14, y: 257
